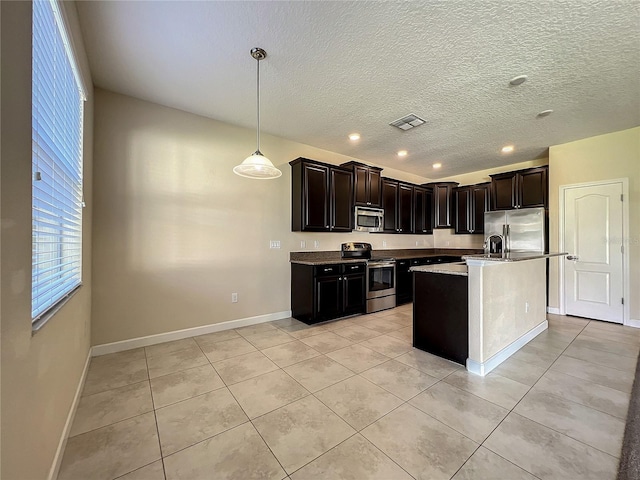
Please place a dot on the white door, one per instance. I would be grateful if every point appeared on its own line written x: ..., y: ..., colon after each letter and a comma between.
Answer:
x: 593, y: 279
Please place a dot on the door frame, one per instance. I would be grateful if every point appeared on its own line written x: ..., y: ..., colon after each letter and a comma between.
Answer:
x: 626, y: 320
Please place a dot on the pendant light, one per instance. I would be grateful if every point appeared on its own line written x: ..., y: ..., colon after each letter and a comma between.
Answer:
x: 257, y: 165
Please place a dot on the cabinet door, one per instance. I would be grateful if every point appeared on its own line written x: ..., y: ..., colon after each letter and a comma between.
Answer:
x: 328, y: 297
x: 314, y: 197
x: 405, y: 208
x: 354, y: 294
x: 341, y: 206
x: 422, y: 211
x: 390, y: 204
x: 504, y: 191
x: 463, y: 210
x: 361, y: 185
x: 480, y: 204
x: 442, y: 199
x: 533, y: 188
x: 404, y: 282
x: 374, y: 184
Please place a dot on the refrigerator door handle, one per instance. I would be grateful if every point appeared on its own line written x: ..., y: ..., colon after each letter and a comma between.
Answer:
x: 508, y: 239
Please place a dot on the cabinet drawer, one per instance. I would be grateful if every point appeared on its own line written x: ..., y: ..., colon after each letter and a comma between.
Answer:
x: 421, y: 261
x: 349, y: 268
x: 326, y: 270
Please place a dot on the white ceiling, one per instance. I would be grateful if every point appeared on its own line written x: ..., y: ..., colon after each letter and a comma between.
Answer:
x: 339, y: 67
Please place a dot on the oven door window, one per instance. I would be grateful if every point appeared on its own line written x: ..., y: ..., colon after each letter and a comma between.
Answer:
x: 368, y: 221
x: 380, y: 278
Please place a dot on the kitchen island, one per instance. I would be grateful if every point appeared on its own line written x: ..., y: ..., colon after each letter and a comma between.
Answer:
x: 504, y: 307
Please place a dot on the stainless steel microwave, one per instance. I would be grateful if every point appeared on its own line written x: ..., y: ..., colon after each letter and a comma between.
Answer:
x: 368, y: 219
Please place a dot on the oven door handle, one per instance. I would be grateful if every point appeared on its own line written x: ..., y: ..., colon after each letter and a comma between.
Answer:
x: 380, y: 265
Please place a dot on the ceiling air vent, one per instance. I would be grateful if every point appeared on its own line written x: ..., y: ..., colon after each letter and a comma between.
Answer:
x: 407, y: 122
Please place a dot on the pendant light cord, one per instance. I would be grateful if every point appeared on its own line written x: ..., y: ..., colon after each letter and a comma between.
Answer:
x: 258, y: 102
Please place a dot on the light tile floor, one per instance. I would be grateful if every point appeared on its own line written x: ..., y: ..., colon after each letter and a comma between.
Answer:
x: 352, y: 399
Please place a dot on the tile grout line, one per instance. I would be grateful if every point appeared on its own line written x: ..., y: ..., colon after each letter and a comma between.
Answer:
x: 155, y: 417
x: 544, y: 426
x: 250, y: 421
x: 482, y: 444
x: 565, y: 399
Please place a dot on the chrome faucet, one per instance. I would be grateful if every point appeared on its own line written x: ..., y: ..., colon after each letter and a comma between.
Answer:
x: 494, y: 244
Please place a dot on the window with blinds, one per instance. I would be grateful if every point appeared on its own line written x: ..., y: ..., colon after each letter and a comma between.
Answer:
x: 57, y: 118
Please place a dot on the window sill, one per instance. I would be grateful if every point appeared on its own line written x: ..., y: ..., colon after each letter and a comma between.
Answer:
x: 37, y: 325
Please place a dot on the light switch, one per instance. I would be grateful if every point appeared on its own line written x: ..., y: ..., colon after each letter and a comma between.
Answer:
x: 274, y: 244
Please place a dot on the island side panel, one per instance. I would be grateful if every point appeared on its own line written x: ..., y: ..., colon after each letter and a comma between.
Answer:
x: 440, y: 315
x: 506, y: 300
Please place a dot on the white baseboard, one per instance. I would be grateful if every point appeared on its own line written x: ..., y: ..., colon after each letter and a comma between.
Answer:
x: 632, y: 322
x: 484, y: 368
x: 57, y: 459
x: 185, y: 333
x: 554, y: 310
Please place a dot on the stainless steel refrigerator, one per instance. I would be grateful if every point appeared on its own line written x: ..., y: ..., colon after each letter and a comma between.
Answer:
x: 523, y: 229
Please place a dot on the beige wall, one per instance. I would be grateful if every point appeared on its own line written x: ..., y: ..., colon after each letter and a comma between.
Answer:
x: 40, y: 373
x: 176, y: 232
x: 498, y: 294
x: 605, y: 157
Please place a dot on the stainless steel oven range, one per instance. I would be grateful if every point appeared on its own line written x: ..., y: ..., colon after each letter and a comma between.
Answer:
x: 381, y: 276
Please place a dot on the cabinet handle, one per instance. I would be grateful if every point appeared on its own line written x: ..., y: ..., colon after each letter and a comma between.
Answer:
x: 368, y: 203
x: 354, y: 268
x: 327, y: 226
x: 328, y: 269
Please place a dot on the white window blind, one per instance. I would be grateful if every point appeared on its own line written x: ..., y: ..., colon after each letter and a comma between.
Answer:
x: 57, y: 118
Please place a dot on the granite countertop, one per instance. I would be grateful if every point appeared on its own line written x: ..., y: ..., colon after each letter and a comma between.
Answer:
x: 513, y: 256
x: 446, y: 268
x: 333, y: 257
x: 328, y: 261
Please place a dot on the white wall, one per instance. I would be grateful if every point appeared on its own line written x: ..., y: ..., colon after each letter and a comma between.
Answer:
x: 40, y: 372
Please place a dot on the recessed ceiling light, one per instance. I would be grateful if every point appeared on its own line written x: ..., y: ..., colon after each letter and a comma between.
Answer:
x: 437, y: 165
x: 354, y: 136
x: 507, y: 149
x: 545, y: 113
x: 402, y: 153
x: 519, y: 80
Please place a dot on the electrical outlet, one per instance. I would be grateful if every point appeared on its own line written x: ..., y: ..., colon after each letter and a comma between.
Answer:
x: 526, y: 307
x: 274, y: 244
x: 316, y: 243
x: 303, y: 244
x: 417, y: 243
x: 234, y: 298
x: 384, y: 243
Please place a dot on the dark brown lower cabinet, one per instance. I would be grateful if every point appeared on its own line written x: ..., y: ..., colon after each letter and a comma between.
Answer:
x: 404, y: 282
x: 325, y: 292
x: 441, y: 315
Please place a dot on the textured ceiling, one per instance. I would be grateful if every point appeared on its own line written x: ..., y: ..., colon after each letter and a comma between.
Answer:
x: 339, y: 67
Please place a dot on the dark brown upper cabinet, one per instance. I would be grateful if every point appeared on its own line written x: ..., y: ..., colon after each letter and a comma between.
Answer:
x: 397, y: 203
x: 322, y: 197
x: 367, y: 186
x: 520, y: 189
x: 405, y: 208
x: 443, y: 203
x: 390, y: 205
x: 471, y: 201
x: 422, y: 210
